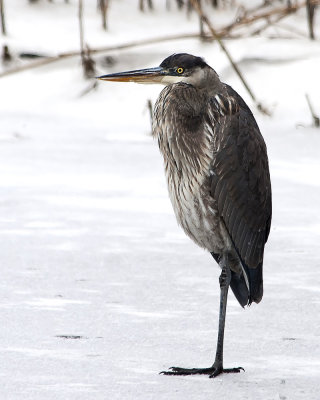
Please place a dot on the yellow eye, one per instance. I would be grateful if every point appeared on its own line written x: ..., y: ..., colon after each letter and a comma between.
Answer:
x: 180, y: 70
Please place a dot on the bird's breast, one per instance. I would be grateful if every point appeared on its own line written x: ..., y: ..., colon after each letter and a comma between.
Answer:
x: 194, y: 208
x: 187, y: 151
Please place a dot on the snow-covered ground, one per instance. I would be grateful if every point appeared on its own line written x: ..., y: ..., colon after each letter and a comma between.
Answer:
x: 100, y: 290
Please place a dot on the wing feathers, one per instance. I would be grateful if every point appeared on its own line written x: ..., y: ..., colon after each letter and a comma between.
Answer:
x: 241, y: 182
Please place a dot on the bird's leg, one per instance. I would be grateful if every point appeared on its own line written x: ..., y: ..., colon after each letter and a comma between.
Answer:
x: 217, y: 367
x: 224, y: 280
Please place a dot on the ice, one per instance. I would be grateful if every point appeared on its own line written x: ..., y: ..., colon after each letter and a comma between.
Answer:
x: 100, y: 289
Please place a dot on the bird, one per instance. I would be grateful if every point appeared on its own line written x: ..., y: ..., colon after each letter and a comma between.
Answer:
x: 217, y: 172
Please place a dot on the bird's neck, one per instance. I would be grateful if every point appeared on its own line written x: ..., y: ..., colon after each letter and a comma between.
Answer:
x: 207, y: 82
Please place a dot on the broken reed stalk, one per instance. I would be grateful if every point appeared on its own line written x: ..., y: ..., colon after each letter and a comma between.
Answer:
x: 141, y: 5
x: 227, y: 53
x: 80, y: 17
x: 310, y: 15
x: 5, y: 55
x: 316, y: 119
x: 87, y: 62
x: 103, y: 5
x: 150, y: 108
x: 3, y: 20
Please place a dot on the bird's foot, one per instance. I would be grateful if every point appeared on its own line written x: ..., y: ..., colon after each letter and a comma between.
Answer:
x: 213, y: 371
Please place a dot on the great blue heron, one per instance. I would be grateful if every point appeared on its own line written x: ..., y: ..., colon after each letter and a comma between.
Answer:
x: 217, y: 171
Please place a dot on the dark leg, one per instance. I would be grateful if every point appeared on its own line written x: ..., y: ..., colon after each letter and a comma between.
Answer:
x: 217, y: 367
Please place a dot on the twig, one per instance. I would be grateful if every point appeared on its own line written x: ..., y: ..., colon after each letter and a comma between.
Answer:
x: 150, y: 108
x: 310, y: 14
x: 103, y: 5
x: 141, y: 5
x: 88, y: 89
x: 63, y: 56
x: 87, y: 62
x: 2, y: 17
x: 268, y: 24
x: 291, y: 29
x: 6, y: 56
x: 80, y: 18
x: 225, y: 50
x: 222, y: 32
x: 250, y: 19
x: 316, y: 119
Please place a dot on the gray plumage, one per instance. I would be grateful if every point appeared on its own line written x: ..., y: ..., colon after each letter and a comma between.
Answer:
x: 217, y: 171
x: 216, y: 166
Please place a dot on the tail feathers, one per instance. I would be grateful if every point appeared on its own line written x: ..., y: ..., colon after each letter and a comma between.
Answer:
x: 239, y: 288
x: 255, y: 283
x: 255, y: 280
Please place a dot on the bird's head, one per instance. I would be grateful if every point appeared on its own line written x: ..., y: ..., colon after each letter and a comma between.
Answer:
x: 176, y: 68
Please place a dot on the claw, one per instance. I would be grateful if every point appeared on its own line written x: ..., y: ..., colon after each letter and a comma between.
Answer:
x: 226, y: 371
x: 212, y: 372
x: 171, y: 372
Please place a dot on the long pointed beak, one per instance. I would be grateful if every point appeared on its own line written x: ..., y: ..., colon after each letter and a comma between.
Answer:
x: 147, y: 75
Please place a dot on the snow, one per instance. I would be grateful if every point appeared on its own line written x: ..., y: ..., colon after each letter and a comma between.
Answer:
x: 100, y: 289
